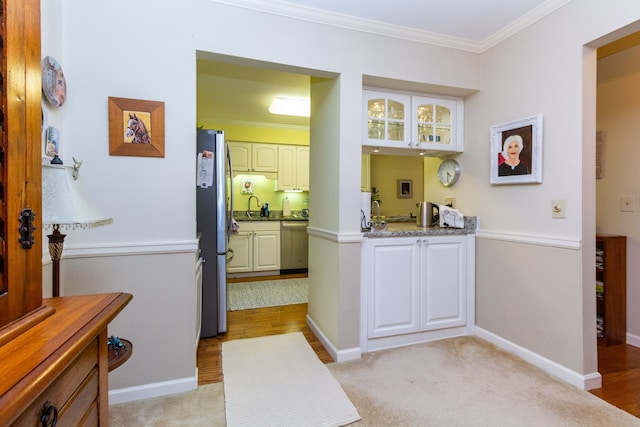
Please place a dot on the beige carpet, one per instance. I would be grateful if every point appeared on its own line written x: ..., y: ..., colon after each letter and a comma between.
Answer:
x: 278, y: 381
x: 456, y: 382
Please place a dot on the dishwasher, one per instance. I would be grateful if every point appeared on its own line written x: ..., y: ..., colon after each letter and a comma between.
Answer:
x: 294, y: 250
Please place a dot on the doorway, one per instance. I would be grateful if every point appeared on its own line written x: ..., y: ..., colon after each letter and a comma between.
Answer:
x: 617, y: 92
x: 234, y: 95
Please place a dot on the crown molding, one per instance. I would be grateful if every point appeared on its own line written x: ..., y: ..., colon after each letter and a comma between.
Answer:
x: 309, y: 14
x: 523, y: 22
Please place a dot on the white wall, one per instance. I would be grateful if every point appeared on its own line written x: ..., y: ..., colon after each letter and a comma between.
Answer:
x: 531, y: 288
x: 147, y: 51
x: 618, y: 109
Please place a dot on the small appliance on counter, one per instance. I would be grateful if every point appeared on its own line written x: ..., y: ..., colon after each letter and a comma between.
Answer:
x: 428, y: 214
x: 286, y: 207
x: 450, y: 217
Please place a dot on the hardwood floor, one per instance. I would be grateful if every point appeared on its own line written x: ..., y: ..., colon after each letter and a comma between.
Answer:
x: 255, y: 323
x: 618, y: 364
x: 250, y: 324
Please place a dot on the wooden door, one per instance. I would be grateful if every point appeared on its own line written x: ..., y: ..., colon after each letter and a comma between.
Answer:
x: 20, y: 158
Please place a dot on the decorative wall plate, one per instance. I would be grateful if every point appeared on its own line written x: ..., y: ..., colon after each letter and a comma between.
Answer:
x: 54, y: 86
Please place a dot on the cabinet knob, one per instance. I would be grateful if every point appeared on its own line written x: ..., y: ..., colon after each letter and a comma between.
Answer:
x: 49, y: 417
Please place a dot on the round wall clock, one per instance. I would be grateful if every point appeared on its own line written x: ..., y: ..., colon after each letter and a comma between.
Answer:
x: 448, y: 172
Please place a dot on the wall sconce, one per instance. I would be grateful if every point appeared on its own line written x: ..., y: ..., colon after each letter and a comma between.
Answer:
x: 64, y: 207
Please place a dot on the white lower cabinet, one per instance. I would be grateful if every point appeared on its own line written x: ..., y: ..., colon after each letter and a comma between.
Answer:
x: 415, y: 288
x: 256, y: 247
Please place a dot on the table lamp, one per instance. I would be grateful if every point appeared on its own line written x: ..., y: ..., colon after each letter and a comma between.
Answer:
x: 64, y: 207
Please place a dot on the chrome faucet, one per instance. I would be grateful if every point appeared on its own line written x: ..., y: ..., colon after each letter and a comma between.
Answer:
x: 249, y: 204
x: 377, y: 203
x: 378, y: 224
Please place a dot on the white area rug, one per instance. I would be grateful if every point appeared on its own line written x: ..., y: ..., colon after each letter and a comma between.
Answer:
x: 279, y: 381
x: 267, y: 293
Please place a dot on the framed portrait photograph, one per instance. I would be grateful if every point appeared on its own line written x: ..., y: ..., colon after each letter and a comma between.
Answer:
x: 516, y: 151
x: 136, y: 127
x: 405, y: 189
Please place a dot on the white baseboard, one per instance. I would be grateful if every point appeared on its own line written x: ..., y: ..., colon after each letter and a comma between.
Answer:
x: 633, y: 340
x: 584, y: 382
x: 337, y: 355
x: 146, y: 391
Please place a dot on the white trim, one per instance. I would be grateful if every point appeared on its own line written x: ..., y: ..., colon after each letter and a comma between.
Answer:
x: 584, y: 382
x: 131, y: 248
x: 146, y: 391
x: 523, y: 22
x: 402, y: 340
x: 337, y: 355
x: 633, y: 340
x: 319, y: 16
x: 335, y: 237
x: 530, y: 239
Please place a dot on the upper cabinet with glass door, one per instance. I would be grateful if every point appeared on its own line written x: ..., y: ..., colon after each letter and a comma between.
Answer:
x: 424, y: 124
x: 387, y: 120
x: 436, y: 124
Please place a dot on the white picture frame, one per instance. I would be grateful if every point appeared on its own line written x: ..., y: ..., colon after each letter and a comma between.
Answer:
x: 525, y: 137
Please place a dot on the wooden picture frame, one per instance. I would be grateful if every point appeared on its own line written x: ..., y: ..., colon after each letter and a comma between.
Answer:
x: 136, y: 127
x: 516, y: 151
x: 405, y: 189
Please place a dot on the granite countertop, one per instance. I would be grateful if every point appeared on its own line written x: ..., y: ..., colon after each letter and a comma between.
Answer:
x: 404, y: 228
x: 273, y: 216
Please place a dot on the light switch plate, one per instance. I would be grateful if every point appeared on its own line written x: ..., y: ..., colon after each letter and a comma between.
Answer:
x: 627, y: 203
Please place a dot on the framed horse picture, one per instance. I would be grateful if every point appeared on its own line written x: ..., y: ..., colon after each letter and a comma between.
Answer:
x: 136, y: 127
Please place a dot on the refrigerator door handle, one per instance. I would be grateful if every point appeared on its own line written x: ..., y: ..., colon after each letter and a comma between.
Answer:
x: 230, y: 219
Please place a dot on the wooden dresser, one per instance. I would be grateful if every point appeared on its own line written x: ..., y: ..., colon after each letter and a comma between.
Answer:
x: 60, y: 365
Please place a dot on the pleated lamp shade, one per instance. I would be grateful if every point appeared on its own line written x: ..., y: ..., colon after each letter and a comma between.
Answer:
x: 64, y: 207
x: 63, y: 203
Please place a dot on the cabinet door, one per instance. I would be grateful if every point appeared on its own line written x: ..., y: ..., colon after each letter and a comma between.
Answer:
x: 435, y: 123
x: 444, y: 282
x: 240, y: 156
x: 302, y: 168
x: 387, y: 118
x: 20, y: 161
x: 393, y: 288
x: 242, y: 245
x: 266, y: 250
x: 286, y: 167
x: 264, y: 158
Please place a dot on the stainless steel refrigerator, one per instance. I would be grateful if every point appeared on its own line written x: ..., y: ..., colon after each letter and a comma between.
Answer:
x: 214, y: 213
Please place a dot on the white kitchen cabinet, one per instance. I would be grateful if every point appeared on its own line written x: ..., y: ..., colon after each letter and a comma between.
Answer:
x: 253, y: 157
x: 293, y: 168
x: 436, y: 124
x: 443, y: 271
x: 415, y: 289
x: 256, y: 247
x: 394, y: 287
x: 412, y: 123
x: 387, y: 117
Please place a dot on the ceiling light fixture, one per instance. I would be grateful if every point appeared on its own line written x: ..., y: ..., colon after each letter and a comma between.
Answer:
x: 290, y: 107
x: 376, y: 150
